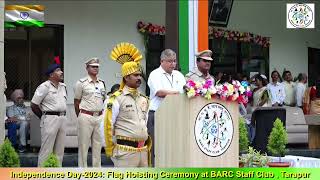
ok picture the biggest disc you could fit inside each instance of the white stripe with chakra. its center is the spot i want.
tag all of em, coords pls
(16, 15)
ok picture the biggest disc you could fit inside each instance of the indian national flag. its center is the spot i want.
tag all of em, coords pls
(24, 15)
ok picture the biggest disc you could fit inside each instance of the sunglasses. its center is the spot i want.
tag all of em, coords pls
(94, 66)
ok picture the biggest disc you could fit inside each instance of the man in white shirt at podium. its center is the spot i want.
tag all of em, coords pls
(163, 81)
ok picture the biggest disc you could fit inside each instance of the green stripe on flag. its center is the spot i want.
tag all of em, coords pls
(24, 23)
(183, 36)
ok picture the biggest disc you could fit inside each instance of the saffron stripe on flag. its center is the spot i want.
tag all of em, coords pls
(24, 7)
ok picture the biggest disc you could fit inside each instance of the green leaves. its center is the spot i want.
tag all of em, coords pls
(52, 161)
(278, 139)
(8, 156)
(254, 158)
(243, 136)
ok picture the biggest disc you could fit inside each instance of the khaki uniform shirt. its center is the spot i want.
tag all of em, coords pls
(51, 98)
(129, 115)
(197, 76)
(92, 94)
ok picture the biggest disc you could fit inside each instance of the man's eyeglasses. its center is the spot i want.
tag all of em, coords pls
(94, 66)
(171, 61)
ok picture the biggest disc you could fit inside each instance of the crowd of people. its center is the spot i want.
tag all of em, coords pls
(123, 119)
(280, 91)
(283, 91)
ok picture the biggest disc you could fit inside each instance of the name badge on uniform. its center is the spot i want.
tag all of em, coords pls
(97, 92)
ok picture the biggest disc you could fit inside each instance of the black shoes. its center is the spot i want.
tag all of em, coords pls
(22, 149)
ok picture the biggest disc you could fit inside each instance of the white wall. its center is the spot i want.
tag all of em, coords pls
(92, 28)
(289, 47)
(2, 105)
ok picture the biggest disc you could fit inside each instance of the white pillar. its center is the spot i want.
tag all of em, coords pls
(2, 103)
(193, 33)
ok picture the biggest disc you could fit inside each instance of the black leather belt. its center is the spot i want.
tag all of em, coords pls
(55, 113)
(129, 143)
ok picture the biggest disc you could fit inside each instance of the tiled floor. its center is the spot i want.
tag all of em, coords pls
(70, 159)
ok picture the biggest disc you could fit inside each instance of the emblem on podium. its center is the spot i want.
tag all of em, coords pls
(213, 129)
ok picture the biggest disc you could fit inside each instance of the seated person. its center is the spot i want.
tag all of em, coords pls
(17, 119)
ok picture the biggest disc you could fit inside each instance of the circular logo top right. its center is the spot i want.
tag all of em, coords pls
(300, 15)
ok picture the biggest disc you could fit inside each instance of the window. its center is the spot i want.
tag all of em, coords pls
(233, 57)
(28, 51)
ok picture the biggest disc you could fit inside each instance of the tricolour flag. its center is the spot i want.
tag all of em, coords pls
(24, 15)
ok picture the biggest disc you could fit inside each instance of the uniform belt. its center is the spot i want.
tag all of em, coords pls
(55, 113)
(91, 113)
(136, 144)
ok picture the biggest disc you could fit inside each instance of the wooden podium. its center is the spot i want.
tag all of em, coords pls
(196, 132)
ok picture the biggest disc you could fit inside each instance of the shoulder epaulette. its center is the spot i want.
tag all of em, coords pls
(101, 80)
(83, 79)
(65, 87)
(144, 96)
(117, 93)
(46, 84)
(190, 73)
(112, 98)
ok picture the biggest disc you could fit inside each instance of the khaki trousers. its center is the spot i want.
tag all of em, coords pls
(89, 130)
(129, 159)
(52, 137)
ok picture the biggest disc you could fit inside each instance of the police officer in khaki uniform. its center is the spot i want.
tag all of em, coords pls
(125, 121)
(201, 72)
(49, 103)
(89, 94)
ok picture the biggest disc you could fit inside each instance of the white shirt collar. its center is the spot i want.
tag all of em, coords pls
(277, 84)
(164, 72)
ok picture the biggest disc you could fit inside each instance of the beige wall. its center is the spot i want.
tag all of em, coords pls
(92, 28)
(289, 47)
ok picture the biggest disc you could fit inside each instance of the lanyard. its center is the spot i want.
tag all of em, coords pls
(171, 82)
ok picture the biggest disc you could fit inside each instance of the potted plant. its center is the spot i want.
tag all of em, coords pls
(8, 156)
(243, 139)
(243, 136)
(278, 139)
(254, 158)
(51, 161)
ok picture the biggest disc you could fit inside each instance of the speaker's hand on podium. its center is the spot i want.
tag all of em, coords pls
(174, 92)
(164, 93)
